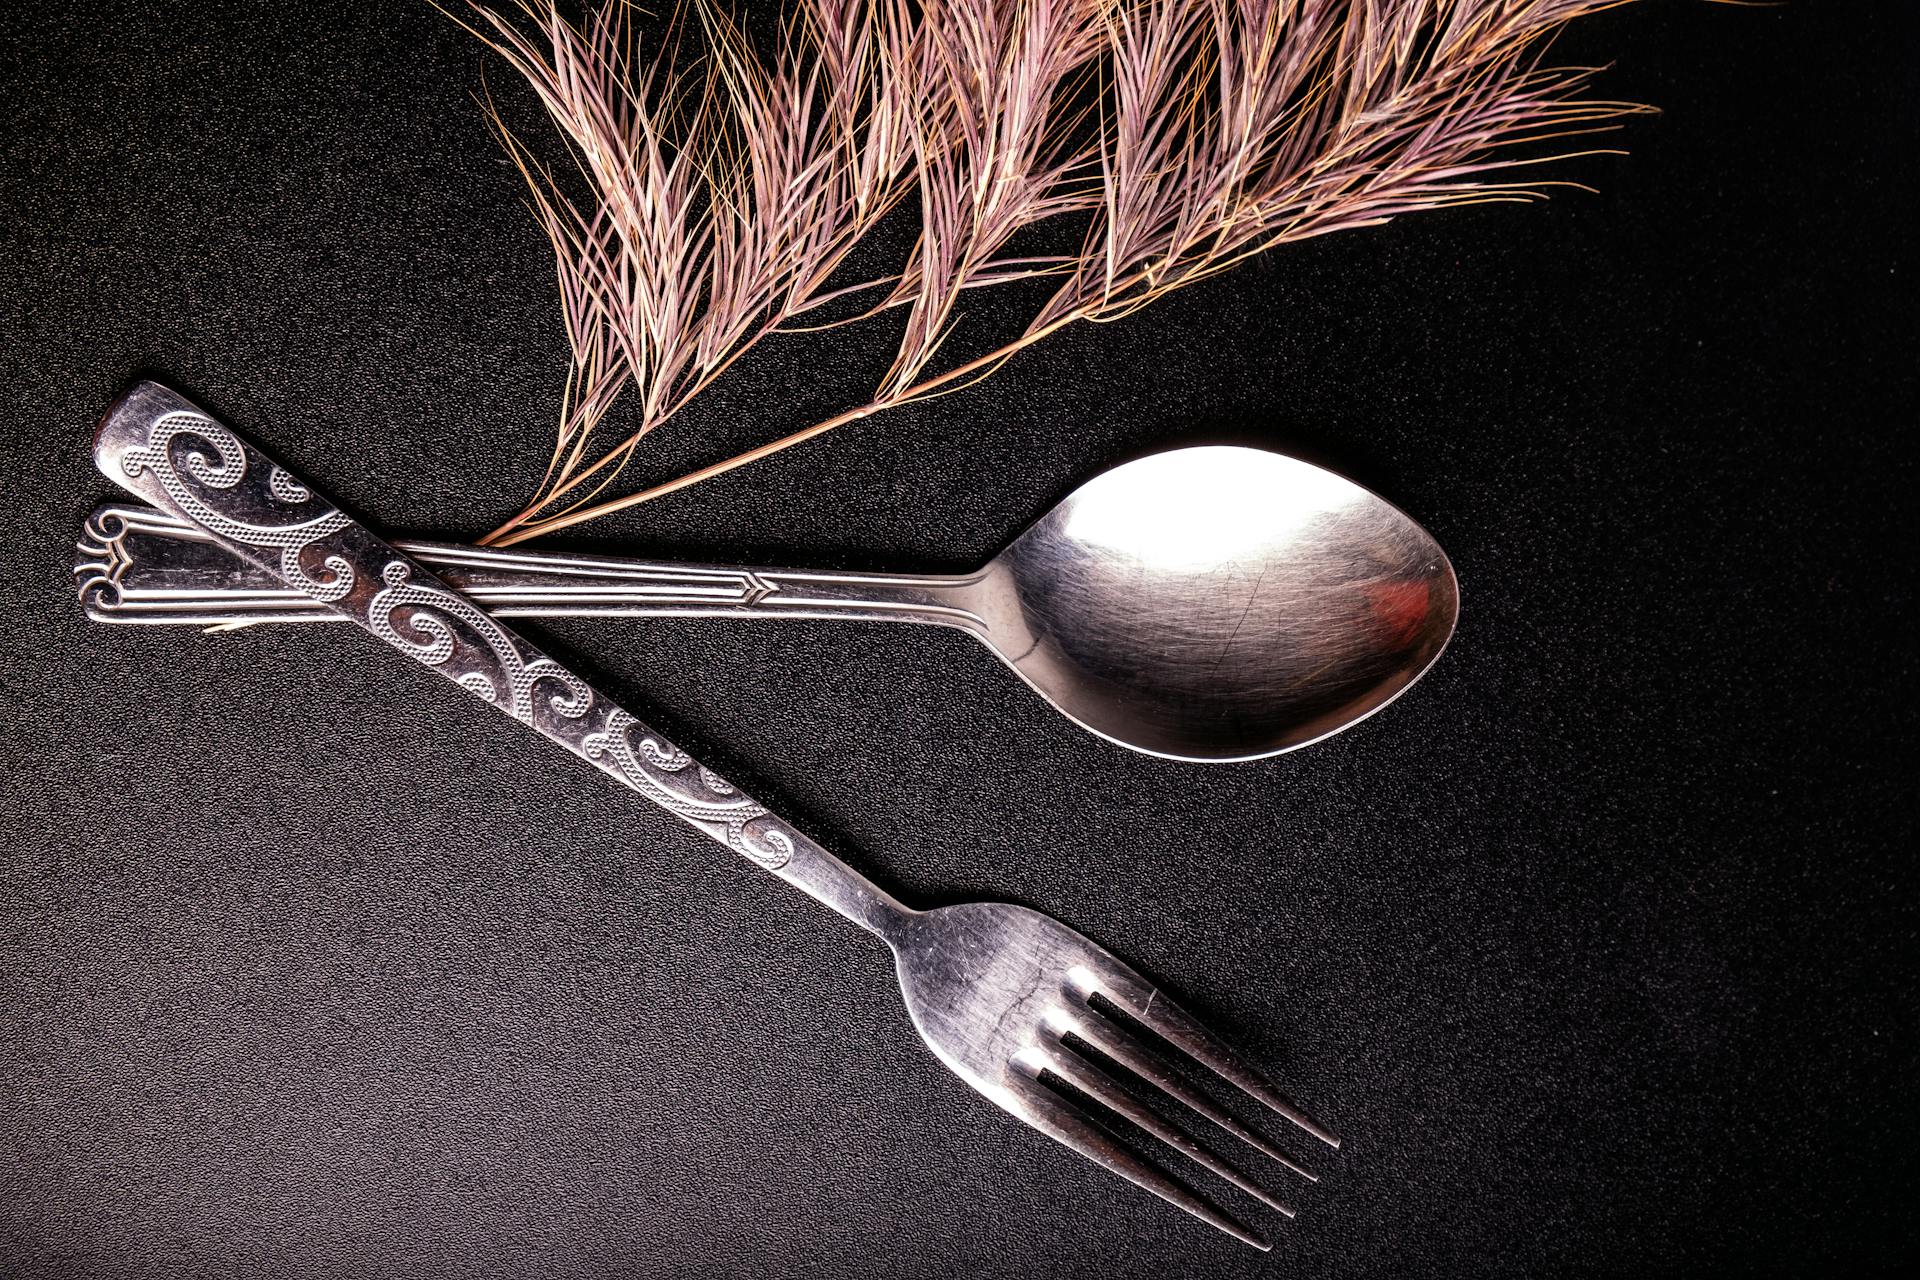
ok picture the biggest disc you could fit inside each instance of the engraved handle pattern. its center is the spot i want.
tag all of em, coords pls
(177, 457)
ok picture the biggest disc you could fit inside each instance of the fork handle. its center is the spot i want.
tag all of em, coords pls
(160, 446)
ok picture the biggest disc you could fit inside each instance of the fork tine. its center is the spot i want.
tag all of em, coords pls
(1115, 1042)
(1051, 1113)
(1142, 1001)
(1098, 1085)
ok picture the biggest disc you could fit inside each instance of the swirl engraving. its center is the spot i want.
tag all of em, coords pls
(286, 488)
(223, 471)
(428, 633)
(200, 466)
(659, 771)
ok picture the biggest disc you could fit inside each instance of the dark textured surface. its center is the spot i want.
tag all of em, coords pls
(1597, 947)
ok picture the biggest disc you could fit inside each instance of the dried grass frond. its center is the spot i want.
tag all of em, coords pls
(725, 188)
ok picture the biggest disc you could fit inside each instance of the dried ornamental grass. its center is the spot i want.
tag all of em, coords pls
(726, 189)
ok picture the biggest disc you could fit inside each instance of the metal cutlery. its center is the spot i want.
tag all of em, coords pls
(1045, 1023)
(1213, 603)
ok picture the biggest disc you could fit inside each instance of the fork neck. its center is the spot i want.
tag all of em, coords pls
(833, 883)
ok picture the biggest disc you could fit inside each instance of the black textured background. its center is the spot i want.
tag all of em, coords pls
(1597, 947)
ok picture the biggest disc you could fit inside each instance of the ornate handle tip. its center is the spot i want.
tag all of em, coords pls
(127, 425)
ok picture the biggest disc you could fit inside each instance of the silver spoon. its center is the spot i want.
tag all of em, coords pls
(1212, 603)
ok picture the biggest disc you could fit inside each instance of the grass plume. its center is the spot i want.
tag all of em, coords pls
(726, 186)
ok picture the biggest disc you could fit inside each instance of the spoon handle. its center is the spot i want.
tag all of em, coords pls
(142, 565)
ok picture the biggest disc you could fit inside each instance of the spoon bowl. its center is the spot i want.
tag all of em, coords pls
(1219, 603)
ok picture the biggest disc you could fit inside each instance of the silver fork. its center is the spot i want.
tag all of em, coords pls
(1049, 1025)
